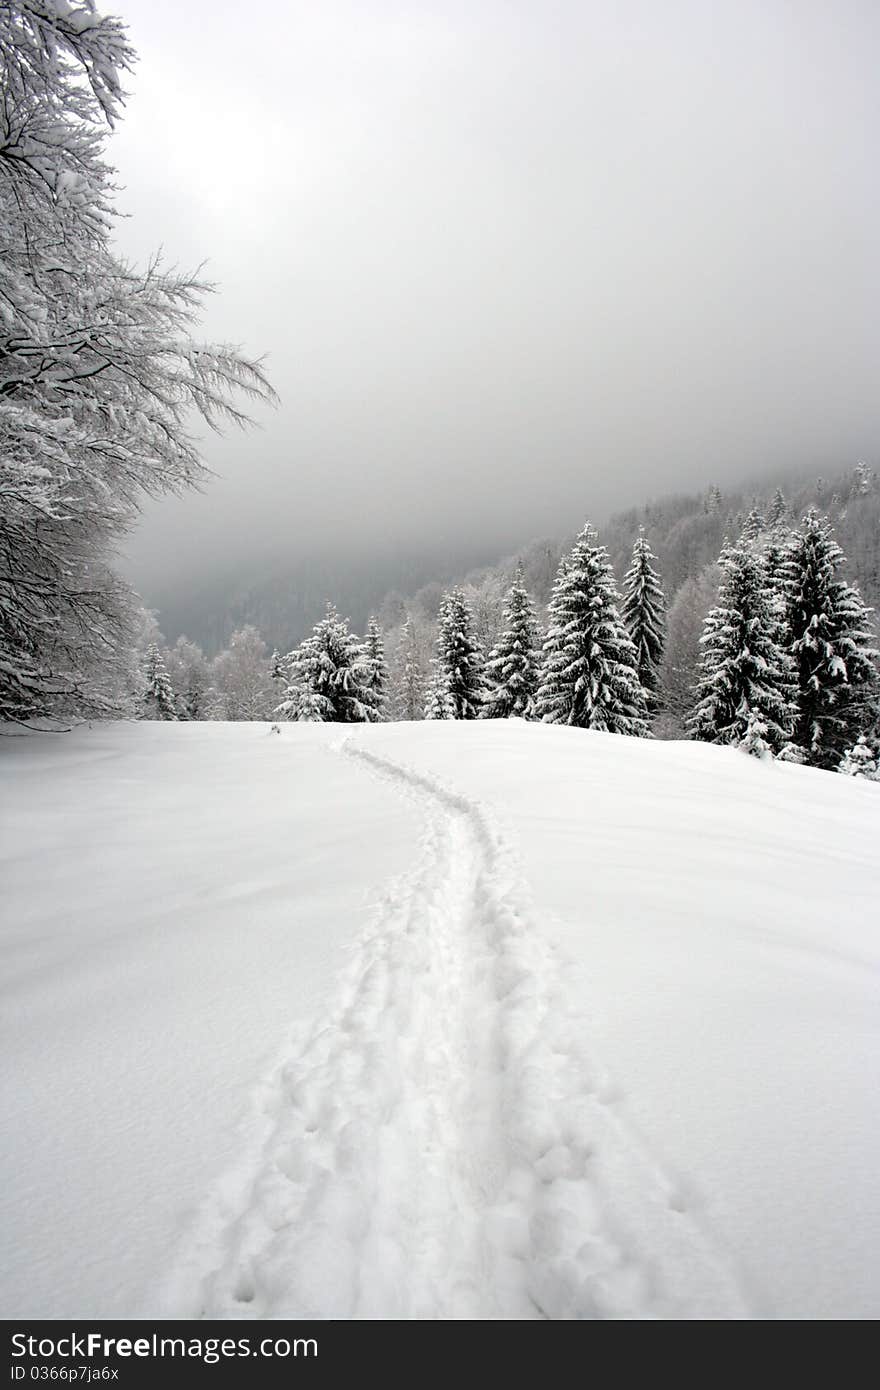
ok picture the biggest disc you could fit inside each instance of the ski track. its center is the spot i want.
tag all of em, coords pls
(441, 1146)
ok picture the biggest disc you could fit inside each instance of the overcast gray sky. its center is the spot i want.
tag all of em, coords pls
(512, 263)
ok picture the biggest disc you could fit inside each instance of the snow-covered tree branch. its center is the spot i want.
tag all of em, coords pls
(101, 379)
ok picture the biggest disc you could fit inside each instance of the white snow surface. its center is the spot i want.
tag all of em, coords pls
(435, 1020)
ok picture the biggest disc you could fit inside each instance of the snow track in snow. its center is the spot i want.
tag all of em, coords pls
(441, 1146)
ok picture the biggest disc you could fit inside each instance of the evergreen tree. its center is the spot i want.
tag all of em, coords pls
(330, 677)
(644, 612)
(864, 480)
(746, 677)
(409, 694)
(590, 677)
(458, 665)
(439, 703)
(791, 753)
(306, 698)
(774, 555)
(830, 644)
(374, 650)
(752, 527)
(513, 668)
(754, 740)
(713, 500)
(859, 761)
(776, 514)
(159, 701)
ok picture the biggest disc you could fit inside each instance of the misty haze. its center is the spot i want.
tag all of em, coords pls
(439, 672)
(513, 267)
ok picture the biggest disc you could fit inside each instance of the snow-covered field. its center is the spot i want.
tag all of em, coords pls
(435, 1020)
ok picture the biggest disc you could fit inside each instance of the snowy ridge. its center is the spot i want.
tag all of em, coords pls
(442, 1147)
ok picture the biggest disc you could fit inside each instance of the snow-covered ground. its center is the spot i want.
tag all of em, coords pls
(435, 1020)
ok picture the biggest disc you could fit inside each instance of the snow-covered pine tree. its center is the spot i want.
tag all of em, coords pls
(746, 677)
(754, 740)
(774, 547)
(589, 677)
(330, 677)
(713, 500)
(752, 527)
(777, 513)
(791, 753)
(304, 700)
(513, 668)
(864, 480)
(374, 651)
(859, 761)
(773, 557)
(159, 701)
(409, 693)
(644, 612)
(831, 646)
(458, 664)
(439, 703)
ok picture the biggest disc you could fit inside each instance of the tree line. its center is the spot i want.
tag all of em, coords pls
(787, 666)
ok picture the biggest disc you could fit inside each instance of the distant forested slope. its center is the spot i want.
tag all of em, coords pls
(285, 597)
(687, 532)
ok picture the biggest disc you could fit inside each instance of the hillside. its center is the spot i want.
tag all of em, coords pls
(687, 532)
(449, 1019)
(283, 597)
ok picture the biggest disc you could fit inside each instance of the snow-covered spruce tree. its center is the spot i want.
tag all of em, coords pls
(773, 546)
(752, 528)
(159, 701)
(304, 701)
(589, 676)
(513, 668)
(831, 646)
(408, 692)
(644, 612)
(279, 670)
(745, 677)
(374, 650)
(99, 376)
(439, 703)
(754, 740)
(713, 500)
(776, 515)
(773, 555)
(864, 480)
(859, 761)
(790, 753)
(457, 679)
(330, 677)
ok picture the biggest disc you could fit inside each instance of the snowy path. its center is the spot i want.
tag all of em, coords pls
(440, 1145)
